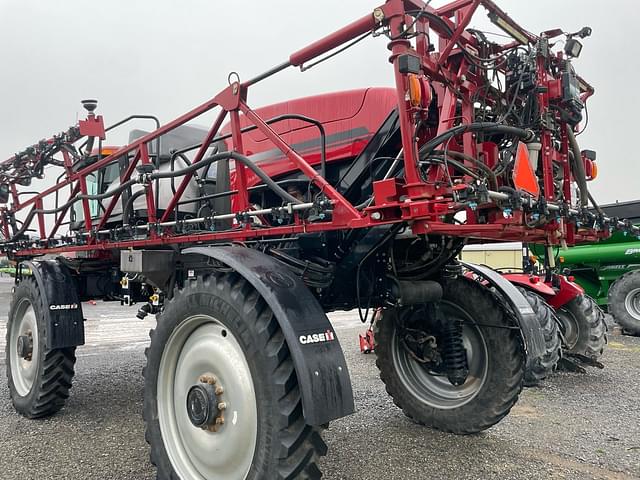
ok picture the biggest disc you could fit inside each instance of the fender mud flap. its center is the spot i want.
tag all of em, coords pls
(532, 336)
(317, 356)
(62, 307)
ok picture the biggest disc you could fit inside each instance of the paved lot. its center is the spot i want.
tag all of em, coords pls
(574, 427)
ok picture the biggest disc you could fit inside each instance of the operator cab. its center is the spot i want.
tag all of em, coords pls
(173, 156)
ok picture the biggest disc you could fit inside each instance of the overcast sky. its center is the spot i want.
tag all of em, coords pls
(163, 57)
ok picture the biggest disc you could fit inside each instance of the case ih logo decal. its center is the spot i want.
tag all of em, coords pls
(317, 337)
(71, 306)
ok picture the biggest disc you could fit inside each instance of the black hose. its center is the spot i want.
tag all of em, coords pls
(77, 198)
(578, 168)
(128, 206)
(286, 196)
(475, 161)
(493, 127)
(595, 204)
(246, 161)
(279, 118)
(440, 160)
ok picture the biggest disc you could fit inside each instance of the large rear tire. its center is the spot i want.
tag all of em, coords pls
(39, 378)
(546, 363)
(624, 302)
(495, 358)
(221, 394)
(583, 327)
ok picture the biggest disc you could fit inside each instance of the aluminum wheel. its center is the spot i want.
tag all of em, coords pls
(632, 303)
(203, 351)
(24, 347)
(435, 390)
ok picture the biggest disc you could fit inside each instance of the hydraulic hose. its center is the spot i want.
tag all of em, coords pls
(595, 204)
(286, 196)
(493, 127)
(128, 206)
(578, 168)
(77, 198)
(246, 161)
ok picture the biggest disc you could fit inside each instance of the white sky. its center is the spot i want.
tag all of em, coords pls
(163, 57)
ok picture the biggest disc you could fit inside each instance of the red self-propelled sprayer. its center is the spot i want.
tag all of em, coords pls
(241, 237)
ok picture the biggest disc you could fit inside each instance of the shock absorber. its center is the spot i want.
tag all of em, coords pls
(454, 354)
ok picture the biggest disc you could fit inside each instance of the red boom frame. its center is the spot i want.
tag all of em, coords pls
(423, 203)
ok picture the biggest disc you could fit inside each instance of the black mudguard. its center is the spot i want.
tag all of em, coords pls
(532, 336)
(62, 307)
(317, 356)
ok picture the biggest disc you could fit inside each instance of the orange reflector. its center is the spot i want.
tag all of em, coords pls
(594, 170)
(415, 90)
(524, 178)
(561, 259)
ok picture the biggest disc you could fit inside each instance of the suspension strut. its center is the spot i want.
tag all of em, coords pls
(454, 355)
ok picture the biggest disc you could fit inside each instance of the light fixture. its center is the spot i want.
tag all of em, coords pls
(506, 27)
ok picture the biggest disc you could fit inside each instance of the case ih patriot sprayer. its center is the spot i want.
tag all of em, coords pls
(241, 241)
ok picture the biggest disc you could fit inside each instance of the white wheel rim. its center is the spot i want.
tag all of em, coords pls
(632, 303)
(24, 371)
(203, 346)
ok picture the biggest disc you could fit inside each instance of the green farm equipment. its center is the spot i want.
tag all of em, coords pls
(609, 271)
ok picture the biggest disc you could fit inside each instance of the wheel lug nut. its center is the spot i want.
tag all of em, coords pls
(222, 406)
(210, 379)
(219, 390)
(219, 421)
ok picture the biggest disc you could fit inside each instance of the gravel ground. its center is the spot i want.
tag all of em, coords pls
(576, 426)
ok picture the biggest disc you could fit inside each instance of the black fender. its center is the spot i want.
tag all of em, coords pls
(318, 359)
(528, 324)
(62, 306)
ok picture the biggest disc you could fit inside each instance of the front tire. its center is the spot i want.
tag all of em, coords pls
(583, 327)
(39, 378)
(217, 333)
(624, 302)
(495, 358)
(546, 364)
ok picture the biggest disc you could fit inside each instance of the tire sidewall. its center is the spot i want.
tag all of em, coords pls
(617, 296)
(592, 332)
(26, 289)
(217, 304)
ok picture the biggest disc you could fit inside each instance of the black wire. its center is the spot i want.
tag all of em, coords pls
(586, 120)
(388, 236)
(419, 13)
(304, 68)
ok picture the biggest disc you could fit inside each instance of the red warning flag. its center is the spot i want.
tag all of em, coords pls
(524, 178)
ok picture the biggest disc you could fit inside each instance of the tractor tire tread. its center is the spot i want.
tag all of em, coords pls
(547, 363)
(298, 446)
(54, 379)
(477, 417)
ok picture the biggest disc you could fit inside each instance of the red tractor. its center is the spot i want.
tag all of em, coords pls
(242, 240)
